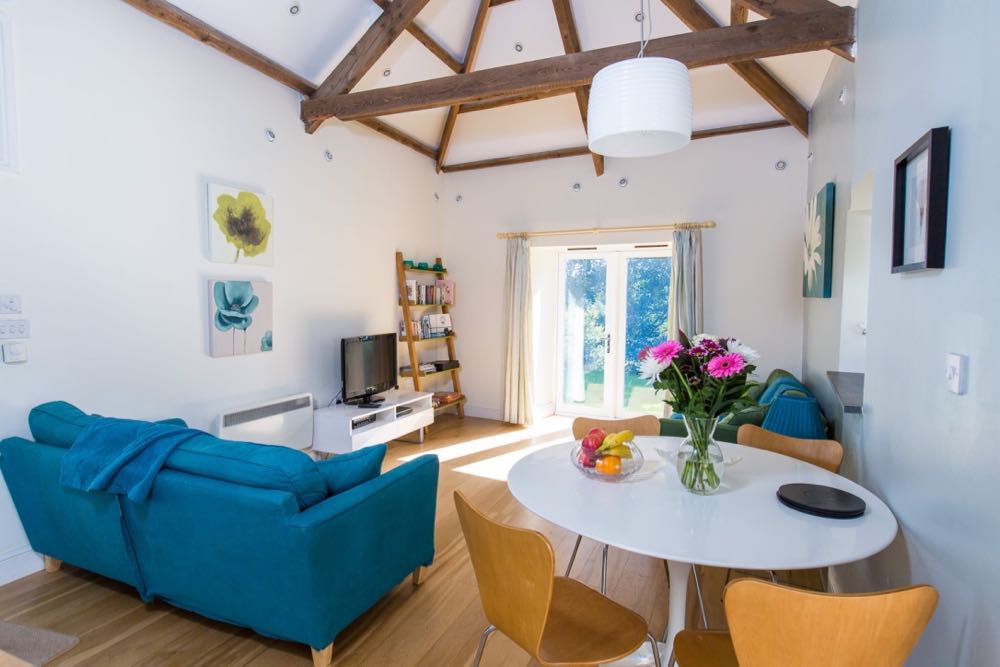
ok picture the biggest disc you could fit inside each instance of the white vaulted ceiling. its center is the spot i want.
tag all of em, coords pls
(313, 41)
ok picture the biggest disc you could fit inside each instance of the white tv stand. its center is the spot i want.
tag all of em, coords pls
(345, 428)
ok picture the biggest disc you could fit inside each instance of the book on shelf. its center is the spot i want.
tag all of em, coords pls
(441, 293)
(437, 325)
(445, 398)
(423, 368)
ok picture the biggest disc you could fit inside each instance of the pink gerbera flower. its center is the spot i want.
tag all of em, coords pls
(666, 351)
(726, 365)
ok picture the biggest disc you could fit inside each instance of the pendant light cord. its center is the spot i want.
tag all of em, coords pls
(645, 12)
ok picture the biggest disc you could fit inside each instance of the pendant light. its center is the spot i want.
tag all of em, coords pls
(640, 107)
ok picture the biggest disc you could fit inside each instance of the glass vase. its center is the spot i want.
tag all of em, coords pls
(700, 464)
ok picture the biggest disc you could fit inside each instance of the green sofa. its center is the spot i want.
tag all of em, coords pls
(779, 384)
(254, 535)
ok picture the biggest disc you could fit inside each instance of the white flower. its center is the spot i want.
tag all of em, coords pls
(697, 340)
(811, 259)
(749, 354)
(650, 368)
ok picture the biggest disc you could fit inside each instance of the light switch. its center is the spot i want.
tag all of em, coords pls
(956, 372)
(10, 304)
(15, 353)
(14, 329)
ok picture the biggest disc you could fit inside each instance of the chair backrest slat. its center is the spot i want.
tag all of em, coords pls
(514, 570)
(826, 454)
(778, 625)
(643, 425)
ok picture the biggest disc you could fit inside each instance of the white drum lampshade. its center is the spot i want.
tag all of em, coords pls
(640, 107)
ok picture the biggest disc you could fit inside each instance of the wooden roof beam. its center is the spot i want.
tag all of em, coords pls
(694, 16)
(450, 61)
(172, 16)
(471, 53)
(372, 45)
(571, 44)
(771, 9)
(759, 39)
(583, 150)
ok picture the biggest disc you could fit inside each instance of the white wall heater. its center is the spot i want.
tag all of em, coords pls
(284, 421)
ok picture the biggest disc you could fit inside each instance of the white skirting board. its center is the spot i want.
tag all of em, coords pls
(483, 411)
(17, 563)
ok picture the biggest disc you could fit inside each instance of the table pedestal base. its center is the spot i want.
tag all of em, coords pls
(677, 600)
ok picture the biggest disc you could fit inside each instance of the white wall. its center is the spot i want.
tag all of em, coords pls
(933, 455)
(121, 121)
(753, 259)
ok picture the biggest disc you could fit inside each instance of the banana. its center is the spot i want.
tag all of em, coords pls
(621, 451)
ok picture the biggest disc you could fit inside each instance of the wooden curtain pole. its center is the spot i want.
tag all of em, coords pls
(709, 224)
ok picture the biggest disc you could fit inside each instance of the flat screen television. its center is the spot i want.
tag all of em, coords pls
(368, 367)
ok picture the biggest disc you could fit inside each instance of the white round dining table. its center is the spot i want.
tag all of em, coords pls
(742, 526)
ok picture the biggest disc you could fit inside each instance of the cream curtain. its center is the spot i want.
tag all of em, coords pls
(518, 399)
(686, 285)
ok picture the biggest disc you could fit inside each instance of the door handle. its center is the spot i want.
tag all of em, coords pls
(607, 344)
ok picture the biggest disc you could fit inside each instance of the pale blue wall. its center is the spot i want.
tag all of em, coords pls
(933, 456)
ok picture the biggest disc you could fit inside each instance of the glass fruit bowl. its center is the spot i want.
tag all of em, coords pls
(610, 458)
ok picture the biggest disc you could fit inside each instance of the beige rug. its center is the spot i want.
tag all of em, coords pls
(32, 645)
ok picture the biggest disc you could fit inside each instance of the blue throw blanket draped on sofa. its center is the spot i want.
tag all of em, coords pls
(121, 456)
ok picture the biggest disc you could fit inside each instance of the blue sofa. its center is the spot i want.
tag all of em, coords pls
(254, 535)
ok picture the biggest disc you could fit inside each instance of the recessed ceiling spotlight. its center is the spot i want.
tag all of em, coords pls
(386, 72)
(458, 199)
(623, 182)
(842, 98)
(294, 8)
(270, 135)
(781, 165)
(437, 197)
(328, 155)
(518, 46)
(639, 16)
(577, 187)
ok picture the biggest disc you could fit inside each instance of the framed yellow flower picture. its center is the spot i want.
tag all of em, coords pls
(240, 226)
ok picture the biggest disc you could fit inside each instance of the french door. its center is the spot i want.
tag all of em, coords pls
(612, 303)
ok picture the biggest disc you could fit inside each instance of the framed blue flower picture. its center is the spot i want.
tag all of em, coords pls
(242, 317)
(817, 248)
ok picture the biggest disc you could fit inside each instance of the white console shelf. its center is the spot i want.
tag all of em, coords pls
(345, 428)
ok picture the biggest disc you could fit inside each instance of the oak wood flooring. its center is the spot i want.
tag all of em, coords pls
(437, 624)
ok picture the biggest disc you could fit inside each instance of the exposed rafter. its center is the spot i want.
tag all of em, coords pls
(164, 12)
(450, 61)
(372, 45)
(737, 14)
(771, 9)
(583, 150)
(571, 44)
(774, 37)
(496, 102)
(172, 16)
(471, 53)
(784, 102)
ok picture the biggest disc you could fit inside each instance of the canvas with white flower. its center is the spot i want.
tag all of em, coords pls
(817, 249)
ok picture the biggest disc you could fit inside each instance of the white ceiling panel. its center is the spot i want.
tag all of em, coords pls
(722, 98)
(530, 23)
(407, 61)
(425, 126)
(521, 128)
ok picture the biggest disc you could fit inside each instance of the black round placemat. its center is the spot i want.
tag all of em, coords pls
(821, 501)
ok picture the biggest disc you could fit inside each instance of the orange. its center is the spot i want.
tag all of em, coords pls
(609, 465)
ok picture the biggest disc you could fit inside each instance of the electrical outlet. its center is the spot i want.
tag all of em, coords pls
(14, 353)
(14, 329)
(10, 304)
(956, 371)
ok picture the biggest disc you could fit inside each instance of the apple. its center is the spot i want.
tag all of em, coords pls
(587, 460)
(591, 443)
(599, 432)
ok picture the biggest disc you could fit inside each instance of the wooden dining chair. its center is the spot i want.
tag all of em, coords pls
(772, 625)
(557, 620)
(826, 454)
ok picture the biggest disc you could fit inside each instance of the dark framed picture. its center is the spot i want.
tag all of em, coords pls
(920, 204)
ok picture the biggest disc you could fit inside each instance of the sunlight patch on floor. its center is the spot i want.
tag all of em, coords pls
(545, 427)
(498, 467)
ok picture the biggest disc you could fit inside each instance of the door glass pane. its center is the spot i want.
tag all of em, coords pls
(583, 327)
(647, 293)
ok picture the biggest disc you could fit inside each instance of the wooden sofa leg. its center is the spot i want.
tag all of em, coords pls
(323, 657)
(51, 564)
(418, 576)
